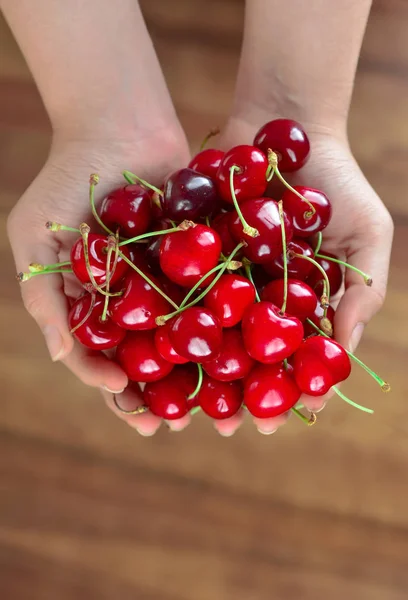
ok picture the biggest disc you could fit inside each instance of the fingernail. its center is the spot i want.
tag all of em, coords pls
(321, 408)
(172, 428)
(226, 433)
(142, 433)
(105, 387)
(54, 342)
(265, 432)
(356, 336)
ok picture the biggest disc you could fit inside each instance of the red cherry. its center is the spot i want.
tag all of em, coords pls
(301, 301)
(219, 399)
(196, 334)
(137, 256)
(260, 276)
(128, 208)
(139, 305)
(97, 247)
(186, 256)
(189, 195)
(139, 358)
(94, 333)
(221, 224)
(317, 317)
(229, 298)
(270, 391)
(270, 337)
(288, 139)
(168, 398)
(173, 291)
(165, 347)
(233, 362)
(334, 273)
(263, 214)
(319, 363)
(207, 162)
(298, 209)
(298, 268)
(153, 248)
(250, 181)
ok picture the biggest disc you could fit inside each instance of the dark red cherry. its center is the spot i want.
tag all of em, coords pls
(219, 399)
(318, 364)
(298, 268)
(173, 291)
(301, 301)
(140, 359)
(229, 298)
(270, 391)
(270, 337)
(233, 361)
(140, 304)
(186, 256)
(188, 195)
(288, 139)
(207, 162)
(94, 333)
(165, 347)
(97, 248)
(168, 398)
(153, 248)
(317, 317)
(260, 276)
(196, 334)
(263, 214)
(334, 273)
(250, 180)
(298, 210)
(129, 209)
(137, 256)
(221, 225)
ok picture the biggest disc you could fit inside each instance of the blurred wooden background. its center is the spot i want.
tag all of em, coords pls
(89, 510)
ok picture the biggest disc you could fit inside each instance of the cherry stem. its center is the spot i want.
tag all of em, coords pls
(343, 397)
(220, 268)
(88, 314)
(248, 272)
(212, 133)
(383, 384)
(195, 410)
(319, 242)
(53, 226)
(273, 163)
(22, 277)
(367, 278)
(84, 230)
(38, 268)
(150, 234)
(285, 258)
(131, 176)
(248, 230)
(139, 410)
(325, 299)
(199, 383)
(285, 364)
(112, 245)
(308, 420)
(93, 182)
(149, 281)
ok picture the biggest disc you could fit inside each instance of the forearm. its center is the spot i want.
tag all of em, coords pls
(94, 65)
(299, 59)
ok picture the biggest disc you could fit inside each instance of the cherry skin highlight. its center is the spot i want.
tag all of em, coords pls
(97, 245)
(218, 399)
(139, 358)
(333, 271)
(270, 391)
(188, 195)
(233, 361)
(298, 268)
(168, 398)
(207, 162)
(165, 347)
(196, 334)
(94, 333)
(128, 208)
(229, 298)
(249, 181)
(301, 301)
(303, 224)
(288, 140)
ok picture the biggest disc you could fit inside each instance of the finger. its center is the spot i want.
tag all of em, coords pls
(316, 403)
(146, 424)
(269, 426)
(227, 427)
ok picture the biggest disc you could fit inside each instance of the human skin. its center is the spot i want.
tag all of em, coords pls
(102, 86)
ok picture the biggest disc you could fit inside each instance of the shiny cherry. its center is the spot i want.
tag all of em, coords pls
(233, 361)
(165, 347)
(186, 256)
(269, 336)
(221, 224)
(229, 298)
(188, 195)
(139, 305)
(153, 248)
(196, 334)
(270, 391)
(128, 208)
(288, 139)
(298, 268)
(137, 256)
(263, 214)
(94, 333)
(97, 248)
(303, 224)
(260, 276)
(318, 364)
(207, 162)
(250, 180)
(219, 399)
(301, 300)
(168, 398)
(173, 291)
(334, 273)
(140, 359)
(317, 317)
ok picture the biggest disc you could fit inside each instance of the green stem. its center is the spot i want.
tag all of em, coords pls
(199, 383)
(212, 133)
(285, 258)
(88, 314)
(22, 277)
(195, 410)
(367, 278)
(326, 282)
(111, 248)
(93, 182)
(84, 230)
(343, 397)
(308, 420)
(248, 272)
(131, 176)
(248, 230)
(53, 226)
(150, 234)
(319, 242)
(38, 268)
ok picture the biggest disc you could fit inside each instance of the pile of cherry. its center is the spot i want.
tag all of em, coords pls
(214, 294)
